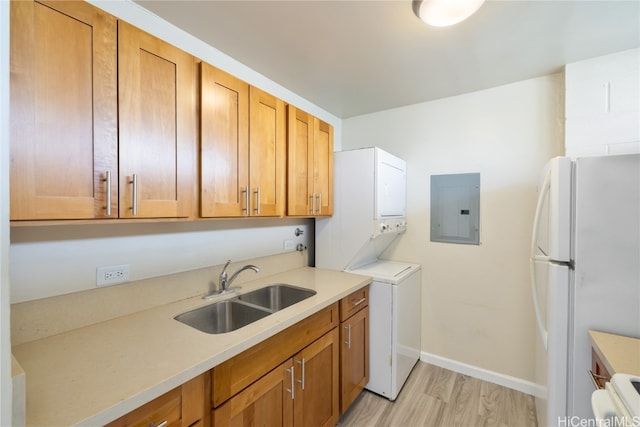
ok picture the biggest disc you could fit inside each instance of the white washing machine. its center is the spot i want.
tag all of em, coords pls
(394, 325)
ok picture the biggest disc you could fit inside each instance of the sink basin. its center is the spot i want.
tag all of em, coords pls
(232, 314)
(221, 317)
(277, 296)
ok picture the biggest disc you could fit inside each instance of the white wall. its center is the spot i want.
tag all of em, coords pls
(48, 261)
(5, 348)
(476, 299)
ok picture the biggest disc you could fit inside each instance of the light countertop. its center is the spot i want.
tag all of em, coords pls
(95, 374)
(619, 354)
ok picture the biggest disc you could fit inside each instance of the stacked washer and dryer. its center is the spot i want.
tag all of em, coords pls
(369, 214)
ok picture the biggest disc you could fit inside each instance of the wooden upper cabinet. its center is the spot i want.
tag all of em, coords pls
(300, 162)
(267, 154)
(63, 97)
(310, 165)
(323, 167)
(156, 126)
(224, 144)
(242, 148)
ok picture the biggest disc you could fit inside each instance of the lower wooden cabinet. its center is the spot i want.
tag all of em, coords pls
(599, 373)
(354, 346)
(268, 401)
(303, 391)
(315, 401)
(181, 407)
(291, 378)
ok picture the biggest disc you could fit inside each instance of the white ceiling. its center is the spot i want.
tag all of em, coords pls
(352, 57)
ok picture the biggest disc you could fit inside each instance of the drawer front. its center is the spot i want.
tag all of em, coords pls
(240, 371)
(166, 408)
(353, 303)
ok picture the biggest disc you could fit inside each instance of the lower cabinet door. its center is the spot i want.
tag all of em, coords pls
(316, 400)
(267, 402)
(354, 357)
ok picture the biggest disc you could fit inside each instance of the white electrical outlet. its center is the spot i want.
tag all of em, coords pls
(112, 275)
(289, 245)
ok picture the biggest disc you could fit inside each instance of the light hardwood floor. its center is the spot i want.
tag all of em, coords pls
(434, 396)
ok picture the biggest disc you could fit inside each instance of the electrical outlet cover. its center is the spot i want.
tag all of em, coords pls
(112, 275)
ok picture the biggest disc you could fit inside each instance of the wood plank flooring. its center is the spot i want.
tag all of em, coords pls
(436, 397)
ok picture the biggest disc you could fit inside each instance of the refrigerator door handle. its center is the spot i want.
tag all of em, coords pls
(542, 196)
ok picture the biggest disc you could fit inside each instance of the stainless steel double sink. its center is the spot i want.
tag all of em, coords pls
(229, 315)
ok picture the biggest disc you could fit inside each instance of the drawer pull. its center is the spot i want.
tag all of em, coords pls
(162, 424)
(360, 301)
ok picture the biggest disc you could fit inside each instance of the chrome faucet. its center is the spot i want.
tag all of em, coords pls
(225, 280)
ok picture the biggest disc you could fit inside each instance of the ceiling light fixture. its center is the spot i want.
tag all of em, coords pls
(442, 13)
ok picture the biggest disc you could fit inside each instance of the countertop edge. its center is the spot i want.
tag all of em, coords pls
(602, 343)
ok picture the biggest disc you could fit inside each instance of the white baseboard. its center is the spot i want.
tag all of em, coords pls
(484, 374)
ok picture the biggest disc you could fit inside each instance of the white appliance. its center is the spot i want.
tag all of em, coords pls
(394, 339)
(369, 213)
(369, 208)
(618, 404)
(585, 273)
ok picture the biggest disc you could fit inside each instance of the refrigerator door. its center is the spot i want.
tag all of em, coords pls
(551, 237)
(550, 283)
(552, 230)
(606, 289)
(551, 356)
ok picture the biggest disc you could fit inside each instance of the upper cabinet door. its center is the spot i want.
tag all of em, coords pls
(63, 111)
(300, 150)
(267, 154)
(323, 167)
(157, 126)
(310, 165)
(224, 144)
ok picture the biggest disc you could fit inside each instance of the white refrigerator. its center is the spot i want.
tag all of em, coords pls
(585, 274)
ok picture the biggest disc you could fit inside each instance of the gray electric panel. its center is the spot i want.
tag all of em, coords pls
(455, 208)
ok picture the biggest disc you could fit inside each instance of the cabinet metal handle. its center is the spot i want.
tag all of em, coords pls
(107, 179)
(257, 208)
(348, 341)
(313, 203)
(245, 190)
(301, 381)
(357, 303)
(319, 196)
(292, 390)
(134, 201)
(162, 424)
